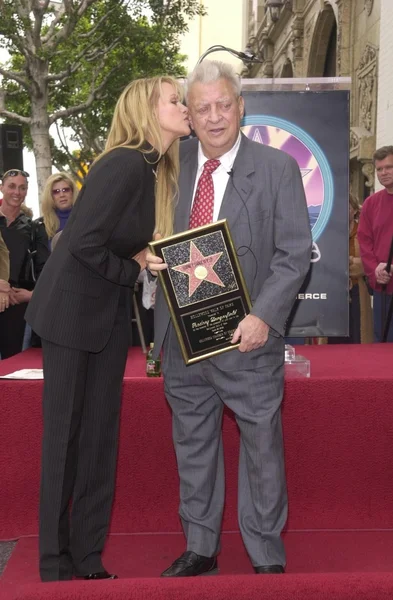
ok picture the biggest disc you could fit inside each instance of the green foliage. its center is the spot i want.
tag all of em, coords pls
(69, 60)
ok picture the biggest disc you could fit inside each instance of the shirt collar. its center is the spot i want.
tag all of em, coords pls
(20, 217)
(226, 159)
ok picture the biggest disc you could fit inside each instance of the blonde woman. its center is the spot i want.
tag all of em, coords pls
(79, 311)
(360, 313)
(58, 198)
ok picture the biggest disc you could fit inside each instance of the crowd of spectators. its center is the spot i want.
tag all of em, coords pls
(25, 246)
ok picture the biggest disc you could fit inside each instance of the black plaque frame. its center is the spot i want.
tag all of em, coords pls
(205, 317)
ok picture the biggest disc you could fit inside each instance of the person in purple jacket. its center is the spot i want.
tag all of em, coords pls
(58, 198)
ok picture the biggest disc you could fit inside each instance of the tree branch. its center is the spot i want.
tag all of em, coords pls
(23, 9)
(39, 10)
(69, 26)
(97, 25)
(63, 75)
(71, 68)
(85, 4)
(41, 5)
(52, 27)
(63, 143)
(17, 42)
(12, 93)
(164, 13)
(71, 158)
(6, 114)
(74, 173)
(86, 140)
(73, 110)
(15, 77)
(103, 51)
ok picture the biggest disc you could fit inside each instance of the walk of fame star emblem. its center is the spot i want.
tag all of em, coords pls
(199, 269)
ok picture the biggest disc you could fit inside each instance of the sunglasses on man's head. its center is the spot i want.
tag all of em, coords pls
(58, 190)
(15, 173)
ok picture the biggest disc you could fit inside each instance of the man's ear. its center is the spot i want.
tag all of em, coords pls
(241, 106)
(190, 120)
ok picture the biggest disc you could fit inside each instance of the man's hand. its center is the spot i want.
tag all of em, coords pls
(381, 275)
(155, 263)
(20, 295)
(13, 297)
(252, 333)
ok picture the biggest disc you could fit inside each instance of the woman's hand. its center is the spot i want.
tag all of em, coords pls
(355, 267)
(4, 301)
(141, 258)
(4, 287)
(155, 263)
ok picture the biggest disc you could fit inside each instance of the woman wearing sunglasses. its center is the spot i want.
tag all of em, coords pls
(27, 257)
(58, 198)
(79, 309)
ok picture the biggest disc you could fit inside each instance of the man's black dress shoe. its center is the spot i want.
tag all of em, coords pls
(100, 575)
(269, 569)
(190, 564)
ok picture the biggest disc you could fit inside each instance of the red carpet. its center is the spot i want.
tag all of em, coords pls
(140, 558)
(354, 586)
(338, 429)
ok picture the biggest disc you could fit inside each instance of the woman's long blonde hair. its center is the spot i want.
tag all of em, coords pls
(134, 122)
(51, 220)
(354, 202)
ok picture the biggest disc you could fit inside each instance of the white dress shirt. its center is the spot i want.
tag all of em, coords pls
(220, 175)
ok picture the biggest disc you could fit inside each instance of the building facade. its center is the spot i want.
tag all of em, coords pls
(224, 23)
(385, 77)
(328, 38)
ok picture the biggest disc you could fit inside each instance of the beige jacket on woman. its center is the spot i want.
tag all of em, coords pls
(4, 260)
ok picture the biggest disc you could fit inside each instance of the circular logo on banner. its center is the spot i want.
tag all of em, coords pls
(314, 167)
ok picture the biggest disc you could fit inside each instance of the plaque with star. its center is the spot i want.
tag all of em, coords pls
(204, 288)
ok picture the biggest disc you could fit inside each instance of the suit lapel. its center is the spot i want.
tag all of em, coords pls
(239, 184)
(188, 171)
(236, 193)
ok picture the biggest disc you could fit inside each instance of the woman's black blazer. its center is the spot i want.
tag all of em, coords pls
(77, 296)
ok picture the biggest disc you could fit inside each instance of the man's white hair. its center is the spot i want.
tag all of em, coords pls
(210, 71)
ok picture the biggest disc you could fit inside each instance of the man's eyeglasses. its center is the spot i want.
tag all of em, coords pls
(58, 190)
(15, 173)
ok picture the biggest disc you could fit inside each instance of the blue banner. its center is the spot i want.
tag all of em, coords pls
(313, 127)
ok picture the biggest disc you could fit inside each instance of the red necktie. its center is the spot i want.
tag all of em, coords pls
(202, 209)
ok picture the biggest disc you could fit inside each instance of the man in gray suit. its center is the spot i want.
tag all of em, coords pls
(259, 191)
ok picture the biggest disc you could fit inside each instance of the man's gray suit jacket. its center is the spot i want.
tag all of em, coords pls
(265, 207)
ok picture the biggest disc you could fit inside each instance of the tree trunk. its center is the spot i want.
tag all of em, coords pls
(39, 130)
(39, 127)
